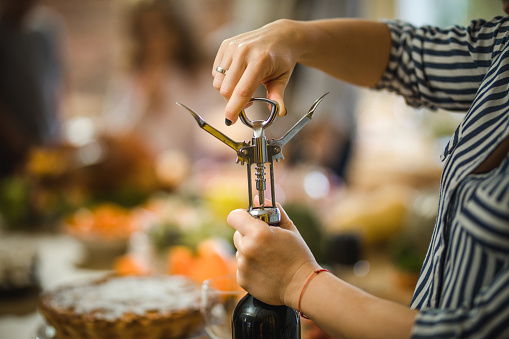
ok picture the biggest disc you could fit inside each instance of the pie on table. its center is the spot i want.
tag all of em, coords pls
(149, 307)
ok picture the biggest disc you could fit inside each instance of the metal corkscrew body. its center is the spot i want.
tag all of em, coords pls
(260, 153)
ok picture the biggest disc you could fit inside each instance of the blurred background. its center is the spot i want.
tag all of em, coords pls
(101, 171)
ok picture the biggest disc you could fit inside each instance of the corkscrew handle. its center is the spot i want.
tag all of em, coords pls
(274, 111)
(270, 215)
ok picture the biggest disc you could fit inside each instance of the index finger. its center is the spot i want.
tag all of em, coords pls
(245, 88)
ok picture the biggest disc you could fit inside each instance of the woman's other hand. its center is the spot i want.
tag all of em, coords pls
(273, 262)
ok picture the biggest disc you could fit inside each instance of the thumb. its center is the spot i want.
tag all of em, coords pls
(275, 91)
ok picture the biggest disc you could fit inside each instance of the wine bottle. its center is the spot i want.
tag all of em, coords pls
(255, 319)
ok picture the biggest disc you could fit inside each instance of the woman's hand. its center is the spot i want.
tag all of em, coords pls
(273, 262)
(265, 56)
(353, 50)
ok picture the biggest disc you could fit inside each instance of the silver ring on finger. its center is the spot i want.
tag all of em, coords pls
(220, 69)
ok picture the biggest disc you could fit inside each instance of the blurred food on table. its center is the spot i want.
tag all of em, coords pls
(103, 230)
(152, 307)
(376, 215)
(102, 222)
(180, 236)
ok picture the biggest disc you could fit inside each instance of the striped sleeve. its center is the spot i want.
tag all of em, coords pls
(487, 318)
(441, 68)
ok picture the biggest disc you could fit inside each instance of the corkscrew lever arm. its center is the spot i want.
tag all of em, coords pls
(279, 143)
(215, 133)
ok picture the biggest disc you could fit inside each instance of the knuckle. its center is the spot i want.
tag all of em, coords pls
(243, 92)
(236, 236)
(250, 250)
(242, 281)
(230, 219)
(260, 236)
(241, 263)
(226, 42)
(266, 62)
(216, 84)
(225, 91)
(243, 49)
(247, 251)
(263, 57)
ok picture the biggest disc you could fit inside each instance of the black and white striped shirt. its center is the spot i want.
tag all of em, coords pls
(463, 288)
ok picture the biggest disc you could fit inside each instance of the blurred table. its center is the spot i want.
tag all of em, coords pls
(58, 255)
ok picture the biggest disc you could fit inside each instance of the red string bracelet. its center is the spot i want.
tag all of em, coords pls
(315, 272)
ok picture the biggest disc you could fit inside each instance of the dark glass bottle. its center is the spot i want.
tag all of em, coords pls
(255, 319)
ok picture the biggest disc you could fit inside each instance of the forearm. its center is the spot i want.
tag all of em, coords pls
(353, 50)
(344, 311)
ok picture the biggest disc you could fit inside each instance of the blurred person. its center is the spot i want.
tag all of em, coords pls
(463, 288)
(164, 63)
(31, 81)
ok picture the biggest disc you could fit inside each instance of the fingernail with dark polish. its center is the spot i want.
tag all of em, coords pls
(227, 122)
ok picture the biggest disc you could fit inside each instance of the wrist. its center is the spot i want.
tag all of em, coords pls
(293, 290)
(311, 41)
(296, 37)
